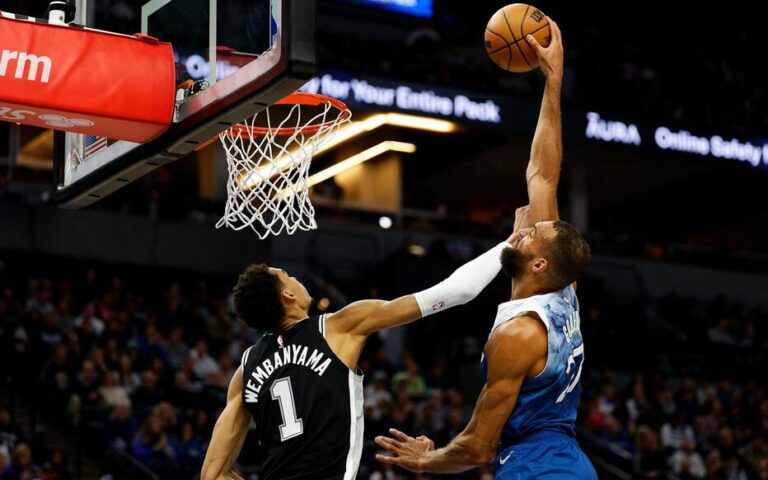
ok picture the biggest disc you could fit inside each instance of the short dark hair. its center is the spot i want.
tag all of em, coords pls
(257, 298)
(568, 255)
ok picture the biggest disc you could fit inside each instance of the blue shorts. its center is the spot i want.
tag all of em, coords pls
(544, 455)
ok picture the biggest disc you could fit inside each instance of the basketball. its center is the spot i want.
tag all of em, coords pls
(505, 36)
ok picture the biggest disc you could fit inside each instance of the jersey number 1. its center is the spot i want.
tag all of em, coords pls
(282, 391)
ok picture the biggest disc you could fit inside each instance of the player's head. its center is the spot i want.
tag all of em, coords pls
(553, 252)
(265, 296)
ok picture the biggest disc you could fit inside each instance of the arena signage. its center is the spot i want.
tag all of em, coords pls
(416, 8)
(408, 98)
(26, 62)
(198, 68)
(613, 131)
(716, 146)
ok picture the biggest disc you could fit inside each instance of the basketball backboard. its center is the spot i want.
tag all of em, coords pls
(247, 54)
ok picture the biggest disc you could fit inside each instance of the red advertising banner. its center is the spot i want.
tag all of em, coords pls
(85, 81)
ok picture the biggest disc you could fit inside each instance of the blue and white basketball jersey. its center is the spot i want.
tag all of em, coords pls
(549, 400)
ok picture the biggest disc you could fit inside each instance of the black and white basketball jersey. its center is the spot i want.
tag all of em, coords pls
(306, 404)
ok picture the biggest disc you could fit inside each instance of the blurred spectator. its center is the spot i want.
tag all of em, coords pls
(88, 323)
(756, 451)
(204, 365)
(10, 433)
(762, 469)
(676, 432)
(5, 458)
(148, 394)
(87, 384)
(220, 379)
(126, 377)
(734, 469)
(649, 461)
(189, 449)
(21, 466)
(616, 435)
(726, 443)
(55, 468)
(409, 379)
(715, 467)
(720, 333)
(177, 350)
(686, 463)
(377, 397)
(165, 413)
(121, 426)
(111, 393)
(40, 302)
(151, 444)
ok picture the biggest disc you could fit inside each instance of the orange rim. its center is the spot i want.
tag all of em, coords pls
(297, 98)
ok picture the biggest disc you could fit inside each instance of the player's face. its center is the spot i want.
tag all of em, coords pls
(293, 286)
(526, 245)
(532, 241)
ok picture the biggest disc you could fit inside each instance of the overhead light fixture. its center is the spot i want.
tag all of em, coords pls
(419, 123)
(358, 158)
(373, 122)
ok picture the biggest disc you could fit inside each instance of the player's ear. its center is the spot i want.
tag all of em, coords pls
(287, 296)
(540, 265)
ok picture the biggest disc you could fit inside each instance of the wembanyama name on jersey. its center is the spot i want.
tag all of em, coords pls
(289, 354)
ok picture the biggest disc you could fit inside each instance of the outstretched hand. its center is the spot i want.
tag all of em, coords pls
(522, 220)
(407, 451)
(551, 57)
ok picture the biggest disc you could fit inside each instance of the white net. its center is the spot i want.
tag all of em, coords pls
(268, 164)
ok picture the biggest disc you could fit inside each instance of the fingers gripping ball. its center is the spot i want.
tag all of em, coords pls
(505, 36)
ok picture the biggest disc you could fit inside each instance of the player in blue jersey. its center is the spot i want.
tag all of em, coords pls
(532, 362)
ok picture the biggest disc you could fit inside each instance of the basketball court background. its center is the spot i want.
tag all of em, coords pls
(664, 169)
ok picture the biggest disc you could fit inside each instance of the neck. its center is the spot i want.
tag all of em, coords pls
(525, 287)
(291, 318)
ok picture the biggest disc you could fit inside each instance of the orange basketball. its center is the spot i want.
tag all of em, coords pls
(505, 36)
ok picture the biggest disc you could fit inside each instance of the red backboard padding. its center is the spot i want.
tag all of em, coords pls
(85, 81)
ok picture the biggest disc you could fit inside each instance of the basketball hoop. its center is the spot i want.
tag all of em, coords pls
(268, 158)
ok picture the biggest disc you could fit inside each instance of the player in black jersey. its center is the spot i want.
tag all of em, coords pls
(300, 383)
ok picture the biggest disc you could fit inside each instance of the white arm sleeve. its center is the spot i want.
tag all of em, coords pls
(463, 285)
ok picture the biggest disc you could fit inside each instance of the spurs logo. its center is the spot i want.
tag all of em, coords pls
(64, 122)
(51, 119)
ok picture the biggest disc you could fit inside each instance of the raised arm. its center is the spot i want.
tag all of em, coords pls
(543, 171)
(228, 434)
(513, 351)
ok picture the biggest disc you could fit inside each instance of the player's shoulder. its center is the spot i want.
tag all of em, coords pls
(526, 328)
(356, 309)
(517, 345)
(348, 319)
